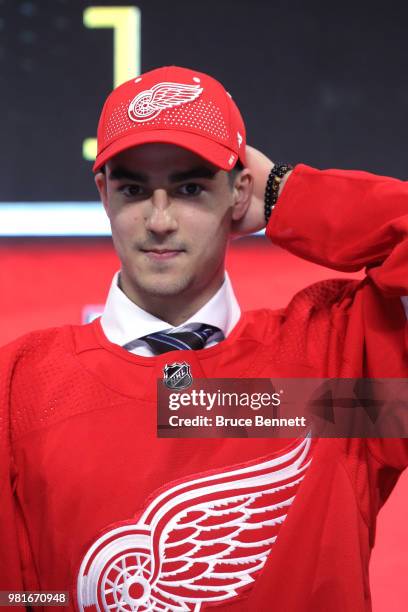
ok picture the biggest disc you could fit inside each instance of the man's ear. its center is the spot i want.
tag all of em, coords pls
(101, 185)
(242, 193)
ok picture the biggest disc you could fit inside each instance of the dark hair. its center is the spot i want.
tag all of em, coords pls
(233, 173)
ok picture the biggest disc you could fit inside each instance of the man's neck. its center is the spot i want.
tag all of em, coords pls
(174, 310)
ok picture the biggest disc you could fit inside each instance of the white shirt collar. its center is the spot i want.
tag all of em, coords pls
(122, 320)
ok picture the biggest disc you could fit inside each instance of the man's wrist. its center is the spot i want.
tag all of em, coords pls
(274, 185)
(284, 181)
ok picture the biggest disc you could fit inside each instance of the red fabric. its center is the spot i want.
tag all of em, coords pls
(79, 446)
(177, 106)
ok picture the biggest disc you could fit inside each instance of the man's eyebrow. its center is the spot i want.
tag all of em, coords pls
(120, 173)
(194, 173)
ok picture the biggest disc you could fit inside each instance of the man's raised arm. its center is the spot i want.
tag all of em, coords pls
(342, 219)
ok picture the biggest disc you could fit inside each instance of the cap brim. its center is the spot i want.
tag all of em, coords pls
(218, 155)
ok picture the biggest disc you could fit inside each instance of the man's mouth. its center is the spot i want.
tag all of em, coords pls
(159, 254)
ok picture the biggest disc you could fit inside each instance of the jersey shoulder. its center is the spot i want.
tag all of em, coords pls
(30, 350)
(311, 329)
(41, 379)
(321, 301)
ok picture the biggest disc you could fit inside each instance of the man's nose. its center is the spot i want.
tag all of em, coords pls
(160, 218)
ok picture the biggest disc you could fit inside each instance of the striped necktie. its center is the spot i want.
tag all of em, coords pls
(163, 342)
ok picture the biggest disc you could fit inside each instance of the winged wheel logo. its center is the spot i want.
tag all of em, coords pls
(151, 102)
(197, 542)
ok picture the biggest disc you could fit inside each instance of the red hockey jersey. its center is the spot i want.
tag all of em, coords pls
(94, 503)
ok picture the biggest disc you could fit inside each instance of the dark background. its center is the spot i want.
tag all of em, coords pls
(317, 82)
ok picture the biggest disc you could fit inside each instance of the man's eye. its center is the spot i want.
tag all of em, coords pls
(190, 189)
(131, 191)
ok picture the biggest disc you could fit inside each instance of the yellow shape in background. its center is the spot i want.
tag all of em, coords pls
(125, 22)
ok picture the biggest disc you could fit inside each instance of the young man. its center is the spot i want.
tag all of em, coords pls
(93, 502)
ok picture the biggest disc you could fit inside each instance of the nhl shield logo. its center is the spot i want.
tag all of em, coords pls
(177, 375)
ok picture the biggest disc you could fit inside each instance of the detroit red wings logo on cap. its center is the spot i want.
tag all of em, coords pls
(201, 541)
(150, 102)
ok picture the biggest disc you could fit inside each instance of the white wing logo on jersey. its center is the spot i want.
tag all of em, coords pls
(201, 541)
(150, 102)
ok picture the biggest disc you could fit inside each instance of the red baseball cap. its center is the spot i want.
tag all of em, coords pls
(177, 106)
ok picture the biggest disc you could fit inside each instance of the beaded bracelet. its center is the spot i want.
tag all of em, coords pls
(272, 187)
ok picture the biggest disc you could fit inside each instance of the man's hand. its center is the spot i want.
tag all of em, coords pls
(260, 167)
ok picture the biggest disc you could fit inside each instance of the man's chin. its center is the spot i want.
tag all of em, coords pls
(163, 287)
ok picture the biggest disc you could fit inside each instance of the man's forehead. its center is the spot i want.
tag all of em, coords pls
(156, 158)
(159, 151)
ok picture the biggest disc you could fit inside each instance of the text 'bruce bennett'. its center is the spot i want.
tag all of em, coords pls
(221, 421)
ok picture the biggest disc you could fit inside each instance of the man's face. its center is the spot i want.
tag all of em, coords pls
(170, 213)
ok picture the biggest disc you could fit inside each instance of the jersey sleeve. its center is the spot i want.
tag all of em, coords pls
(347, 221)
(11, 561)
(392, 452)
